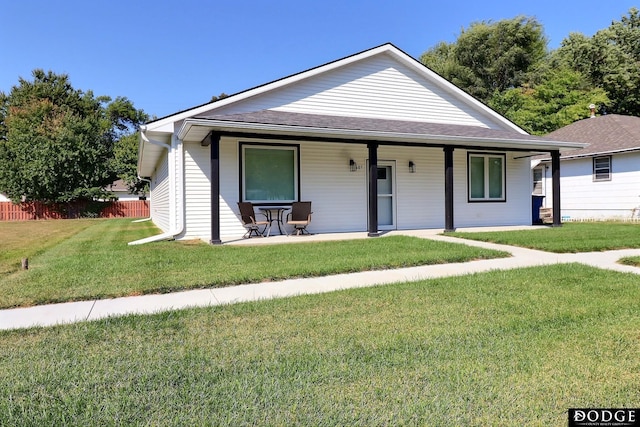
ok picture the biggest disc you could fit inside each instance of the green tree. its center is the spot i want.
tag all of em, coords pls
(57, 142)
(125, 120)
(610, 59)
(490, 57)
(125, 162)
(561, 97)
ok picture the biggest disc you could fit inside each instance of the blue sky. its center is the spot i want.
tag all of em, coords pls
(167, 56)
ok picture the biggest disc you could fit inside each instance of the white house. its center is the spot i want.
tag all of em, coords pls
(602, 180)
(376, 141)
(121, 192)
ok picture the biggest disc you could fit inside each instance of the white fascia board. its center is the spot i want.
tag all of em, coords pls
(602, 153)
(505, 143)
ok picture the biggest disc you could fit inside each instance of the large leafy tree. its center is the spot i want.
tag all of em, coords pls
(56, 142)
(559, 98)
(125, 120)
(610, 60)
(490, 57)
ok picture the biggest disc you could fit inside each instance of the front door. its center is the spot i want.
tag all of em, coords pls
(386, 196)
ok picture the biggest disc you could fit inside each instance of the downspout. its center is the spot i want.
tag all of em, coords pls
(149, 181)
(176, 201)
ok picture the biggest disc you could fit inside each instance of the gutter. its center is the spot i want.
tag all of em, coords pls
(595, 154)
(176, 201)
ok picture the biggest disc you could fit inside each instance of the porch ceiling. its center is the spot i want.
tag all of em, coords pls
(357, 129)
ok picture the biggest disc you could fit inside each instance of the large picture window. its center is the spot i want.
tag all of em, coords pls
(486, 174)
(269, 173)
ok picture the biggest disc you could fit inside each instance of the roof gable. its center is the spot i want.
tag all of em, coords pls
(382, 82)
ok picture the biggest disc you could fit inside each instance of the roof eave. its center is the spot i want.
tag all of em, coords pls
(187, 132)
(595, 153)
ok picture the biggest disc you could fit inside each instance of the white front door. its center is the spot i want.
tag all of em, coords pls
(386, 196)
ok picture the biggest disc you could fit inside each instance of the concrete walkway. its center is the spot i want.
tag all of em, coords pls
(48, 315)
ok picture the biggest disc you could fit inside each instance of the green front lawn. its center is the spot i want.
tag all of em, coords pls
(571, 237)
(95, 261)
(507, 348)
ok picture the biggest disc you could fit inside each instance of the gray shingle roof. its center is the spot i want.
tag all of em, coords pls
(272, 117)
(604, 134)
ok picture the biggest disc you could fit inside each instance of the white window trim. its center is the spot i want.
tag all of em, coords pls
(538, 186)
(486, 198)
(601, 170)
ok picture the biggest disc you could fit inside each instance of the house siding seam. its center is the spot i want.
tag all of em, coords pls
(377, 88)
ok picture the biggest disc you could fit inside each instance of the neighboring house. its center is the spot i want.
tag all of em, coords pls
(4, 198)
(376, 141)
(600, 181)
(121, 191)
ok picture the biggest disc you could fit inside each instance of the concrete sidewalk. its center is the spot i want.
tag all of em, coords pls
(48, 315)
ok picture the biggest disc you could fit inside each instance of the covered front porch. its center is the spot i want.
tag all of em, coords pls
(454, 153)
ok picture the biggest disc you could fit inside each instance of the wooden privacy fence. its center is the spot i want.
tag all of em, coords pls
(38, 210)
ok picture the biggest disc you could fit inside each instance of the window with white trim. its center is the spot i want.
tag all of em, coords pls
(486, 173)
(269, 173)
(602, 168)
(537, 181)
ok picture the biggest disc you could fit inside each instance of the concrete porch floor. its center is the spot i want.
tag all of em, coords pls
(320, 237)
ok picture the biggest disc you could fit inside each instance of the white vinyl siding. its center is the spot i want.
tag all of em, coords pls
(159, 195)
(486, 177)
(419, 195)
(230, 224)
(586, 199)
(379, 87)
(338, 196)
(197, 192)
(515, 210)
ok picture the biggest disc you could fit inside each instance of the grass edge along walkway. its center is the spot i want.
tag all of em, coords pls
(498, 348)
(97, 263)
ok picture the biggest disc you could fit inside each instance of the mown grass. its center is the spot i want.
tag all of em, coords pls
(97, 263)
(507, 348)
(570, 238)
(26, 239)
